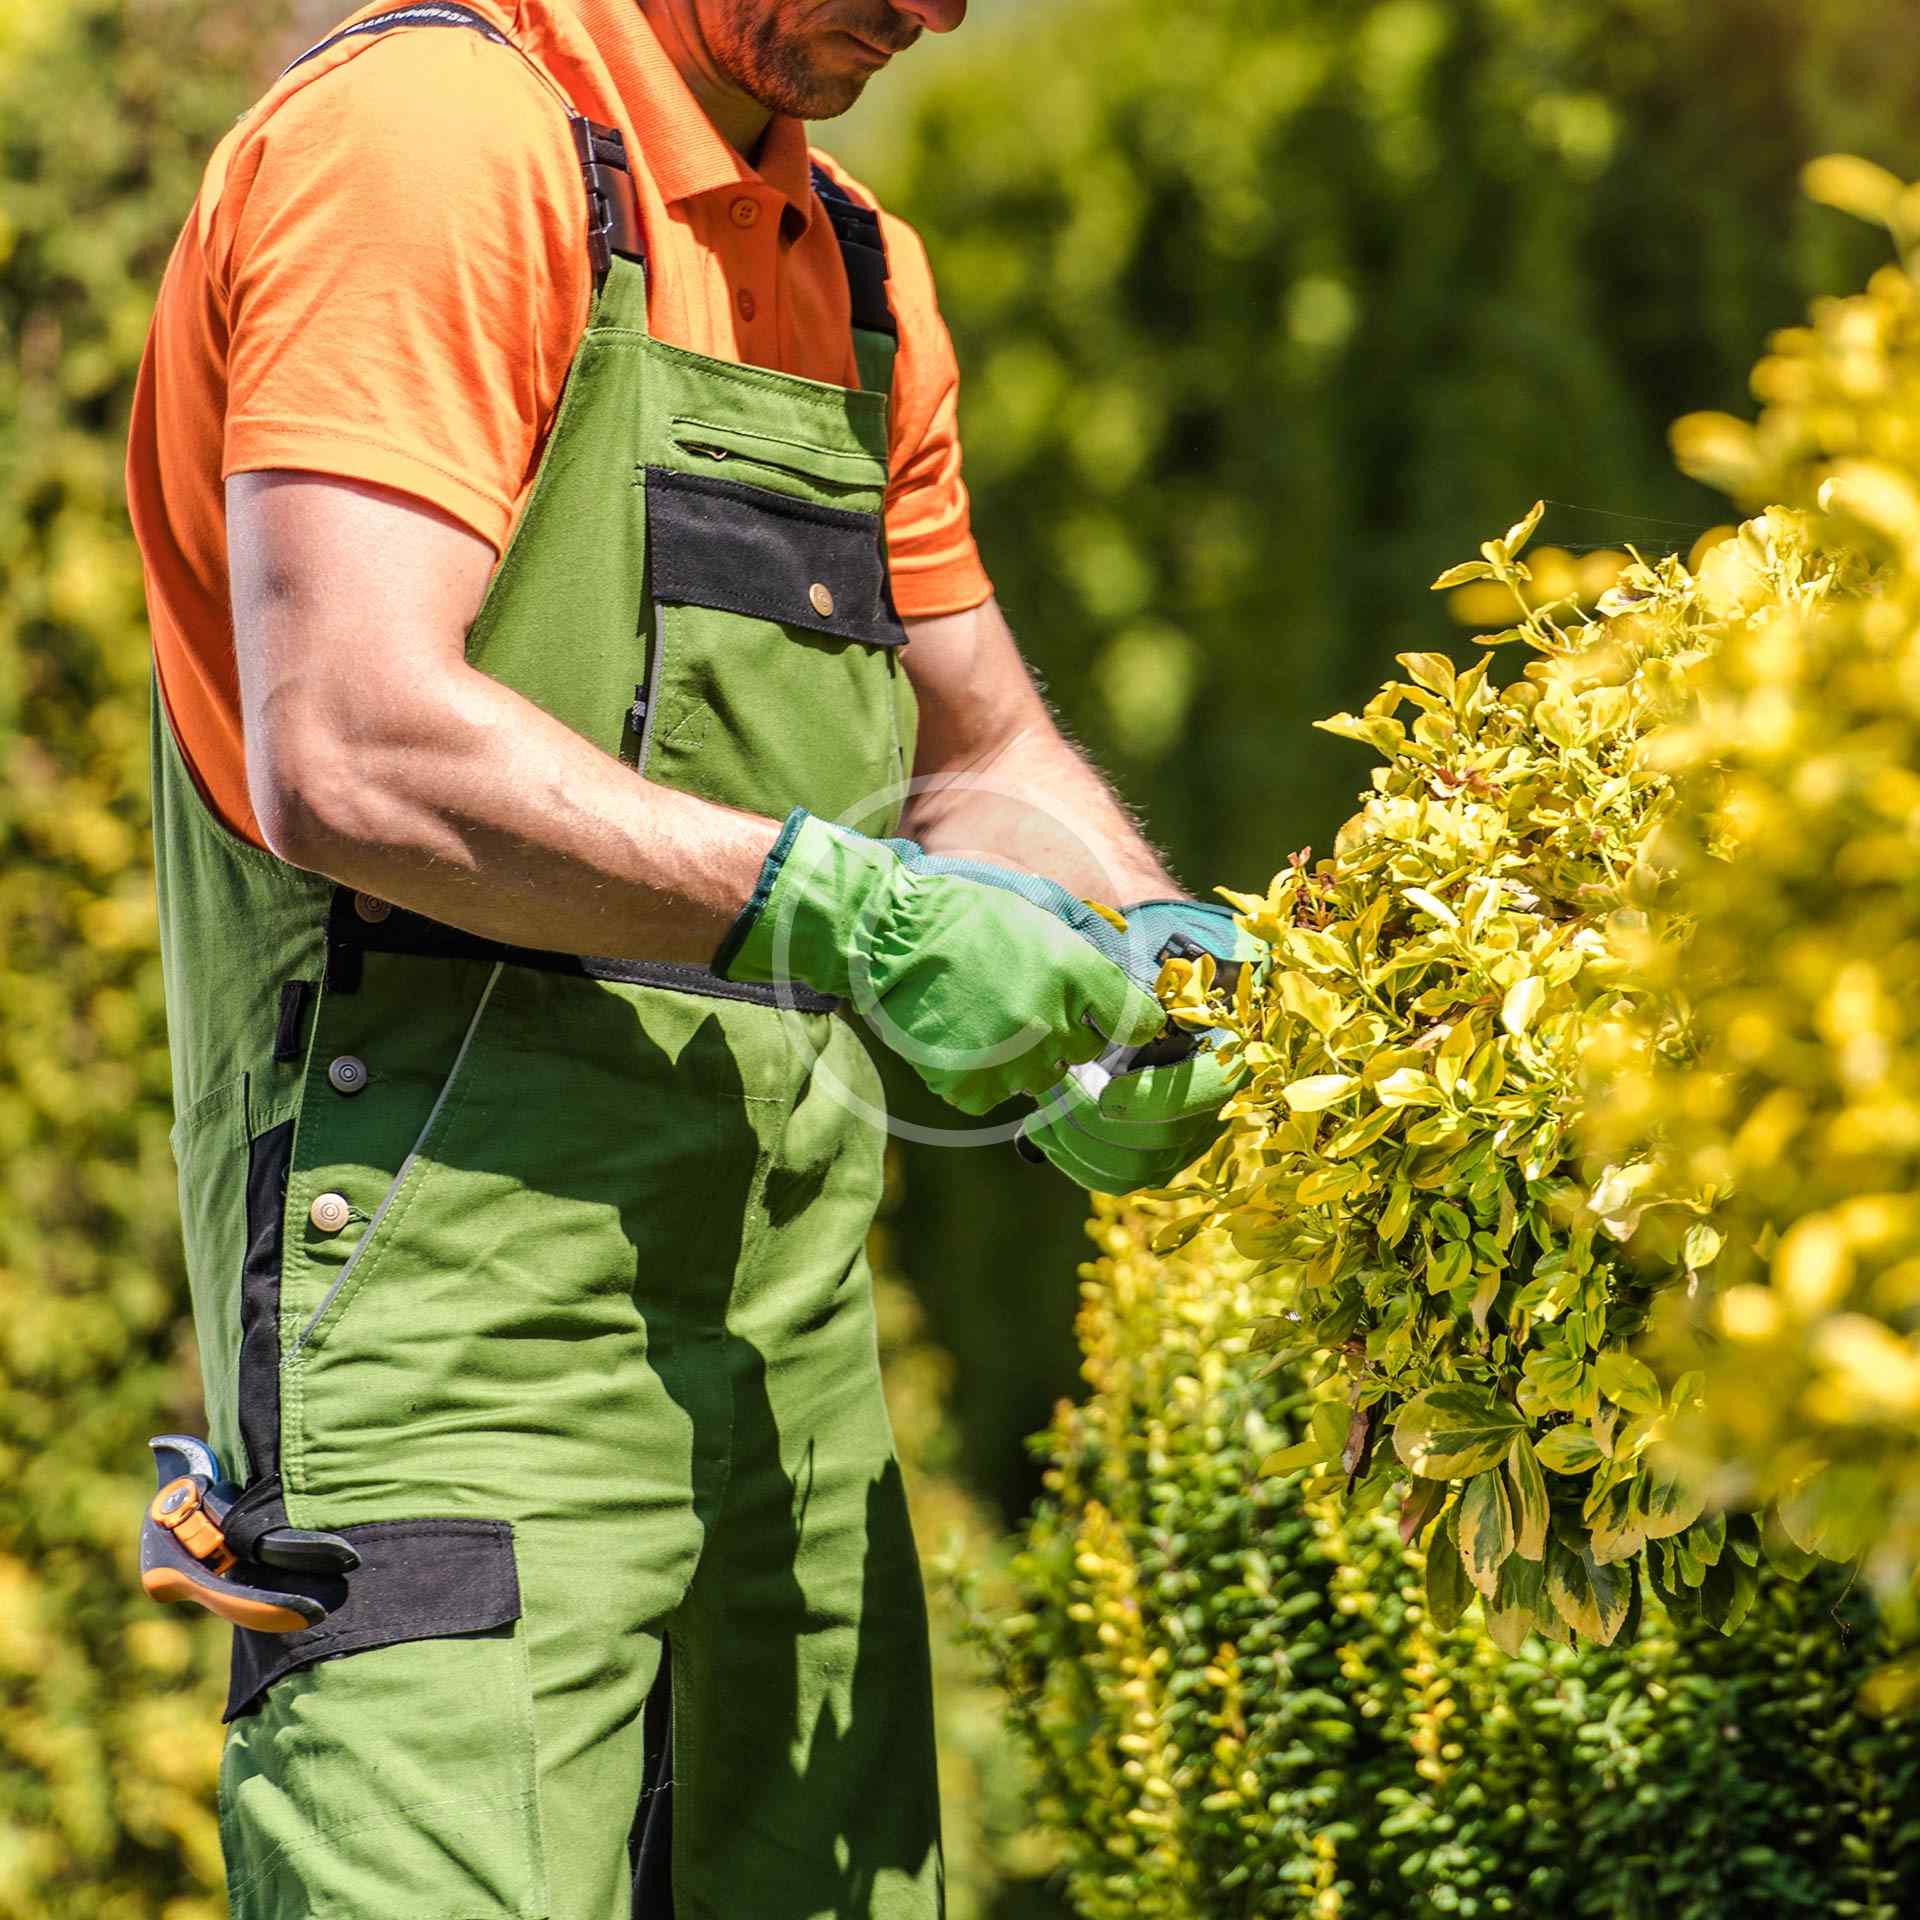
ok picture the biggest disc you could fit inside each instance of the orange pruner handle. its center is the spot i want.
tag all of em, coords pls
(179, 1508)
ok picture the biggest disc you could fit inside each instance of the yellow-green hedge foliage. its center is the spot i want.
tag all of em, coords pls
(1242, 1706)
(1403, 1162)
(1789, 932)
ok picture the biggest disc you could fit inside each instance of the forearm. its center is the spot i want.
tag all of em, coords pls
(996, 777)
(1037, 803)
(483, 811)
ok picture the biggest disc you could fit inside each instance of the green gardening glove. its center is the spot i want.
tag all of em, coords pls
(1121, 1133)
(1139, 1128)
(984, 993)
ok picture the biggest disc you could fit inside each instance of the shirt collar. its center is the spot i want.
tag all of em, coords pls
(684, 151)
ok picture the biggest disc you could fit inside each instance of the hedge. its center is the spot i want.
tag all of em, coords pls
(1241, 1704)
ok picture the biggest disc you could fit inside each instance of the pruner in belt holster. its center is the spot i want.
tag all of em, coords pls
(293, 1580)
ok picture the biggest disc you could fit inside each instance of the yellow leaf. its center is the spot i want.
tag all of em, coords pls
(1813, 1265)
(1875, 1367)
(1852, 185)
(1460, 575)
(1431, 903)
(1523, 1001)
(1522, 530)
(1319, 1091)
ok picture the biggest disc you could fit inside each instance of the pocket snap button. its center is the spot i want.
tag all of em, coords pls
(822, 597)
(371, 908)
(330, 1212)
(348, 1074)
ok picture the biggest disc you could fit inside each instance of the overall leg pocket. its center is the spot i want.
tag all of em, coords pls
(396, 1779)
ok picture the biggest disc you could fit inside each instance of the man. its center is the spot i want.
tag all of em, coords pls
(548, 484)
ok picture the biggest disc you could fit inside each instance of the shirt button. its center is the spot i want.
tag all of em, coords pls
(745, 212)
(371, 908)
(747, 304)
(348, 1074)
(330, 1212)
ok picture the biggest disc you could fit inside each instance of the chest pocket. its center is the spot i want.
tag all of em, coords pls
(773, 675)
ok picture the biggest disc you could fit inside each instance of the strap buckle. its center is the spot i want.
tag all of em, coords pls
(613, 209)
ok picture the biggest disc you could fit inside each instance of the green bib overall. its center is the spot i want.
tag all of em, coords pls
(542, 1277)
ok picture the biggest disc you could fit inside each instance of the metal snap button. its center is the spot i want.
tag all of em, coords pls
(822, 597)
(330, 1212)
(371, 908)
(348, 1074)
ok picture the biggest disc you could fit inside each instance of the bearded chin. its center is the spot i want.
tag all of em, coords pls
(771, 66)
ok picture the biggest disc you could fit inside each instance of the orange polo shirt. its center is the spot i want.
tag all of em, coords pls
(385, 276)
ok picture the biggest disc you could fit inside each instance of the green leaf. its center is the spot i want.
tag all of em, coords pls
(1519, 1599)
(1452, 1431)
(1486, 1529)
(1590, 1598)
(1617, 1533)
(1328, 1428)
(1802, 1516)
(1529, 1499)
(1664, 1504)
(1361, 1133)
(1448, 1266)
(1570, 1449)
(1727, 1593)
(1396, 1215)
(1783, 1556)
(1702, 1246)
(1627, 1382)
(1449, 1592)
(1407, 1087)
(1303, 1453)
(1176, 1233)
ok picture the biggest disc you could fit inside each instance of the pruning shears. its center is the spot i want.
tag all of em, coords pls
(1167, 1048)
(294, 1578)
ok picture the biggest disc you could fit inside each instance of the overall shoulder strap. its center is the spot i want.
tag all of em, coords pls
(613, 210)
(876, 333)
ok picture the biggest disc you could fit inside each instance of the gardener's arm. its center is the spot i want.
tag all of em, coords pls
(995, 777)
(377, 756)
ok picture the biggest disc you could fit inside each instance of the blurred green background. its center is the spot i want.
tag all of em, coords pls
(1266, 310)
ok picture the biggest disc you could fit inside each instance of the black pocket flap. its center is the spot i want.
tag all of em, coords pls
(741, 549)
(417, 1580)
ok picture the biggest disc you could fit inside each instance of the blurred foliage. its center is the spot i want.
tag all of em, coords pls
(1789, 932)
(1242, 1704)
(109, 1720)
(1402, 1162)
(1269, 308)
(992, 1847)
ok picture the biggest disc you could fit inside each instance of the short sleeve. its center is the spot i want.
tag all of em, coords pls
(931, 552)
(405, 275)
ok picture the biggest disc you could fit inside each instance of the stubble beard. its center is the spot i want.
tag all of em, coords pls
(767, 62)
